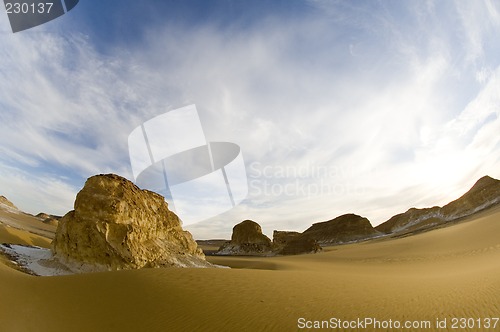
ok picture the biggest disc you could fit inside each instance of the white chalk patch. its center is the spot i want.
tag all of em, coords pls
(35, 260)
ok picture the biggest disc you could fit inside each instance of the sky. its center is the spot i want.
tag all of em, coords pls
(366, 107)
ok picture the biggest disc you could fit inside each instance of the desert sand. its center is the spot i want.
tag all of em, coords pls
(24, 221)
(452, 272)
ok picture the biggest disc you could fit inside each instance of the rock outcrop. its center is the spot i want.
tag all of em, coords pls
(484, 194)
(5, 202)
(282, 238)
(300, 245)
(293, 243)
(344, 229)
(247, 239)
(116, 225)
(411, 220)
(48, 219)
(249, 231)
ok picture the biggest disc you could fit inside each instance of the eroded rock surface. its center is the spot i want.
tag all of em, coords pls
(483, 195)
(300, 245)
(4, 201)
(247, 239)
(48, 218)
(116, 225)
(344, 229)
(281, 238)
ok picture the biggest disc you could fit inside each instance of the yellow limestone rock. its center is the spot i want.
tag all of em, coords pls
(116, 225)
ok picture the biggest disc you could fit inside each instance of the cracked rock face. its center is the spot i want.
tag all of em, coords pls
(116, 225)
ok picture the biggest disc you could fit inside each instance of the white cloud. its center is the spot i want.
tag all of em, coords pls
(33, 194)
(480, 23)
(405, 119)
(62, 103)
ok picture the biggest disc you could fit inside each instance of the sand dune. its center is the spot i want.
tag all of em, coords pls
(448, 273)
(13, 235)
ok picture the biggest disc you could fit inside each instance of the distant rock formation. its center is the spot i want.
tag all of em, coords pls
(115, 225)
(293, 243)
(249, 231)
(247, 239)
(282, 238)
(484, 194)
(300, 245)
(344, 229)
(48, 218)
(411, 220)
(7, 203)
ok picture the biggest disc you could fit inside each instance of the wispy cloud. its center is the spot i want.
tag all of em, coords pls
(390, 106)
(34, 194)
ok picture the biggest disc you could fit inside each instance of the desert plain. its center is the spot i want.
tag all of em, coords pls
(441, 275)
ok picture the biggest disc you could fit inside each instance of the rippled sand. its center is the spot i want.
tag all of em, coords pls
(447, 273)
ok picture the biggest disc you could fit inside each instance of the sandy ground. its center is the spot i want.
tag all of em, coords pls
(20, 220)
(443, 274)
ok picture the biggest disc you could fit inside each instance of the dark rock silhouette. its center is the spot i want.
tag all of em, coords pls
(343, 229)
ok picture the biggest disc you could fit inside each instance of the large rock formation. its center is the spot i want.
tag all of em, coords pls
(343, 229)
(484, 194)
(247, 239)
(115, 225)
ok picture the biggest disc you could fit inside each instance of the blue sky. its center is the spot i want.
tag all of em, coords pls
(369, 107)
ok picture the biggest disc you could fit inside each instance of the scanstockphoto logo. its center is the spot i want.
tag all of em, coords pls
(170, 155)
(26, 14)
